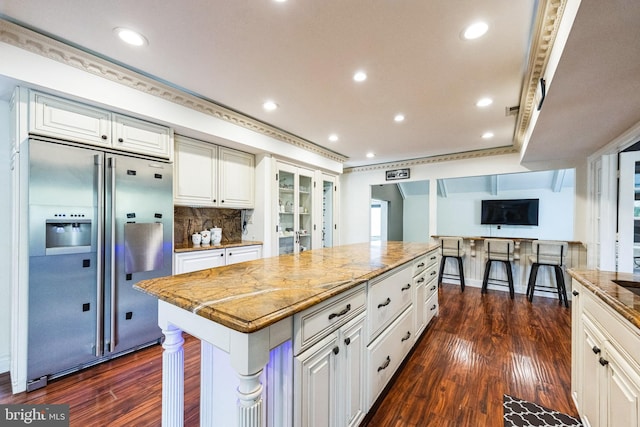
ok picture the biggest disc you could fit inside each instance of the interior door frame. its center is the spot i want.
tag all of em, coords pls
(625, 219)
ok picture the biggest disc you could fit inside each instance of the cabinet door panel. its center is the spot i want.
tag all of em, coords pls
(142, 137)
(315, 374)
(70, 120)
(194, 261)
(623, 391)
(195, 182)
(236, 178)
(243, 253)
(352, 372)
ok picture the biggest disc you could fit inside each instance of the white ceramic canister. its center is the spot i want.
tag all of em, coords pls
(196, 238)
(206, 237)
(216, 235)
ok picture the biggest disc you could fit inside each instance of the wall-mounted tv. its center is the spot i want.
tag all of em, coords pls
(510, 212)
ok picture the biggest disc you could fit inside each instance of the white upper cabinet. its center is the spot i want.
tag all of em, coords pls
(73, 121)
(195, 173)
(59, 118)
(211, 176)
(236, 178)
(142, 137)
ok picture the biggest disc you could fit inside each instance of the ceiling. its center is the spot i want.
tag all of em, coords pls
(302, 54)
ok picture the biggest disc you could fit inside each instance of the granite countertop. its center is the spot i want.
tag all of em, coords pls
(190, 247)
(252, 295)
(620, 299)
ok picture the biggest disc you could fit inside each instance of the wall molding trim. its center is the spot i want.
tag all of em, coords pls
(40, 44)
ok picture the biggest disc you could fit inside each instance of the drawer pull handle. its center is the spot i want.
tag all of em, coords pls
(575, 293)
(342, 313)
(433, 257)
(347, 341)
(420, 280)
(433, 288)
(433, 273)
(385, 364)
(104, 136)
(434, 307)
(406, 288)
(406, 337)
(603, 361)
(595, 349)
(384, 304)
(336, 350)
(421, 265)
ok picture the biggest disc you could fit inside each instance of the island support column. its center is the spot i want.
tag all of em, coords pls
(249, 356)
(172, 377)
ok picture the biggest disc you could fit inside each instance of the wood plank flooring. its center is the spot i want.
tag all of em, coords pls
(480, 347)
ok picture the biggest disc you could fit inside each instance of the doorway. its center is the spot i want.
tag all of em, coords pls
(379, 220)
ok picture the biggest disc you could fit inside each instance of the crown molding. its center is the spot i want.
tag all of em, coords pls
(497, 151)
(548, 18)
(37, 43)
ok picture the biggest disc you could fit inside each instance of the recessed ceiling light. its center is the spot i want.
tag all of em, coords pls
(475, 31)
(360, 76)
(333, 137)
(484, 102)
(270, 105)
(280, 1)
(399, 118)
(370, 155)
(130, 37)
(487, 135)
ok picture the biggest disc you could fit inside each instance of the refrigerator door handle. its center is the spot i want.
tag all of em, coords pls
(99, 179)
(112, 227)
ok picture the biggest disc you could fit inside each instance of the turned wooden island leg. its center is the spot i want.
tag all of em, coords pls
(172, 378)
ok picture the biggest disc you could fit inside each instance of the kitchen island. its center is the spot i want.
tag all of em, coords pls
(253, 311)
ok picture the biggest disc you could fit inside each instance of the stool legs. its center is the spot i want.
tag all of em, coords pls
(487, 269)
(562, 290)
(460, 270)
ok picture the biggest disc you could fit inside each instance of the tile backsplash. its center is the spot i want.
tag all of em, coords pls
(188, 220)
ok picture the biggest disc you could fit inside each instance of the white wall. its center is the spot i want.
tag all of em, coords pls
(355, 189)
(459, 214)
(5, 220)
(416, 219)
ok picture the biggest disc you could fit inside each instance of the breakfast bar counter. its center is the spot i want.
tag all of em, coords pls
(247, 309)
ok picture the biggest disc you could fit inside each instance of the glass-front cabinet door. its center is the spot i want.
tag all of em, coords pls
(295, 209)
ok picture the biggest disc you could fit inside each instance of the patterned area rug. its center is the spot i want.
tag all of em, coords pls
(521, 413)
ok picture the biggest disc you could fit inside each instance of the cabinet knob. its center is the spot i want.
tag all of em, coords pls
(223, 254)
(603, 361)
(221, 201)
(120, 140)
(575, 293)
(104, 137)
(230, 253)
(347, 341)
(336, 350)
(214, 200)
(595, 349)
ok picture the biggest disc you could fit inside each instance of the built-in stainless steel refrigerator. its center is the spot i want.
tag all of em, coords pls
(99, 222)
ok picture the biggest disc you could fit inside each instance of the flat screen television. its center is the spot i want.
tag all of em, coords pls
(510, 212)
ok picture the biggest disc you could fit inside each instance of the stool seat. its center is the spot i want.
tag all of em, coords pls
(548, 253)
(498, 250)
(451, 247)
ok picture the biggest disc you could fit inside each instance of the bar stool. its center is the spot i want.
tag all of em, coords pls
(550, 253)
(500, 250)
(451, 247)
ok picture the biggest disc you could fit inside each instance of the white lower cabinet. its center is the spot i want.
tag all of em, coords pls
(186, 262)
(387, 351)
(605, 368)
(329, 379)
(346, 349)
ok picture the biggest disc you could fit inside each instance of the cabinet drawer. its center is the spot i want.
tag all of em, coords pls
(431, 308)
(430, 289)
(200, 260)
(387, 298)
(387, 352)
(419, 265)
(320, 320)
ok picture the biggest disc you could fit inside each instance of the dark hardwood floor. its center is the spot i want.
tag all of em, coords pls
(479, 348)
